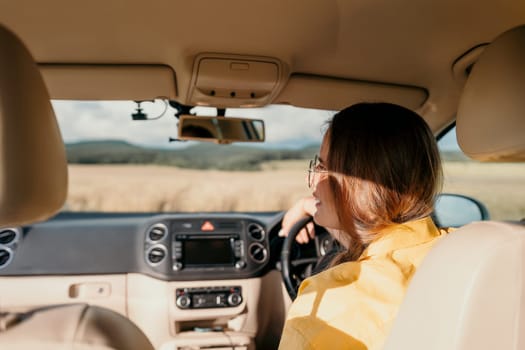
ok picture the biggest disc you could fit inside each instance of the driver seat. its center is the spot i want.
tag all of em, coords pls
(33, 186)
(469, 292)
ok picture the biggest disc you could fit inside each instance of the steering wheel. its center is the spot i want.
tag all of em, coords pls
(295, 269)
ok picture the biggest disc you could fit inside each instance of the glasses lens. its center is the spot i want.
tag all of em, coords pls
(311, 171)
(310, 174)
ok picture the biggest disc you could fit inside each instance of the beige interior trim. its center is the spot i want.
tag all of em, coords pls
(109, 81)
(329, 93)
(344, 39)
(150, 304)
(21, 294)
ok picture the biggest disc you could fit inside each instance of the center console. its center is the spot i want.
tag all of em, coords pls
(214, 314)
(212, 266)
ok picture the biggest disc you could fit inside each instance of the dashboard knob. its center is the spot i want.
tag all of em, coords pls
(240, 264)
(177, 266)
(183, 301)
(234, 299)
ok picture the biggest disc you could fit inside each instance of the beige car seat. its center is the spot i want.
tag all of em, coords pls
(469, 292)
(33, 186)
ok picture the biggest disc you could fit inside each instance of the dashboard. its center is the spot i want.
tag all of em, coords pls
(187, 280)
(178, 277)
(177, 247)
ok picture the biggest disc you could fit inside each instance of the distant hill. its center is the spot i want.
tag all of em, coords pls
(200, 156)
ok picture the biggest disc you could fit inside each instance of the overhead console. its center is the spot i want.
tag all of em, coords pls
(206, 248)
(221, 80)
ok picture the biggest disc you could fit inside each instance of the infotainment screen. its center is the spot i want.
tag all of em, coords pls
(210, 252)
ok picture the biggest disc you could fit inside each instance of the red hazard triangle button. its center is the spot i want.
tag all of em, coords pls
(207, 226)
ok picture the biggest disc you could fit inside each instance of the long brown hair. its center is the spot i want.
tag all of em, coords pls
(385, 168)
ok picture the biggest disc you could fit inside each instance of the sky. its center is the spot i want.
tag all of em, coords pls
(286, 126)
(448, 142)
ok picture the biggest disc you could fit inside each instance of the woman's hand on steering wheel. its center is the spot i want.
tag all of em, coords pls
(303, 208)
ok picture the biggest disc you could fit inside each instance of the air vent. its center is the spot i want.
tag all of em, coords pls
(156, 254)
(9, 236)
(256, 232)
(6, 255)
(157, 232)
(257, 252)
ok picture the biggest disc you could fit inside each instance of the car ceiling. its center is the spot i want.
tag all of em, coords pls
(408, 43)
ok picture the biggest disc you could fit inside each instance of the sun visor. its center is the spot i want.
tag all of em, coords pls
(109, 82)
(221, 80)
(312, 91)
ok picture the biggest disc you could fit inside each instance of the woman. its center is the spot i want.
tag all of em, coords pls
(374, 185)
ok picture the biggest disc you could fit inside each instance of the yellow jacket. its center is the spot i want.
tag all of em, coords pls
(352, 305)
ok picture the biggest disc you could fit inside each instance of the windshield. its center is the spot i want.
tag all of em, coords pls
(117, 164)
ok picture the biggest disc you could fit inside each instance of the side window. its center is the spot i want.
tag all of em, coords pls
(499, 186)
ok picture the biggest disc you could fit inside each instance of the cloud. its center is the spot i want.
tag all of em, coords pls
(101, 120)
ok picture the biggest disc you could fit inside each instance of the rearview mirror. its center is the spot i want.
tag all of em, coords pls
(220, 129)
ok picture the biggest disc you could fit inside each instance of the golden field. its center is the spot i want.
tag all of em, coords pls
(500, 186)
(132, 188)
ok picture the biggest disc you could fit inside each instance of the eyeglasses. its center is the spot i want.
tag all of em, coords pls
(315, 167)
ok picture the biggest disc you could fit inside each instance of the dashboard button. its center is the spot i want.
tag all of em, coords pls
(183, 302)
(234, 299)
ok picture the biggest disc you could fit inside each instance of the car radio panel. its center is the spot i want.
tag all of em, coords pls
(206, 248)
(207, 251)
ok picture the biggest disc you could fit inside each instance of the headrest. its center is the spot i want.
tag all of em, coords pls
(491, 114)
(33, 165)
